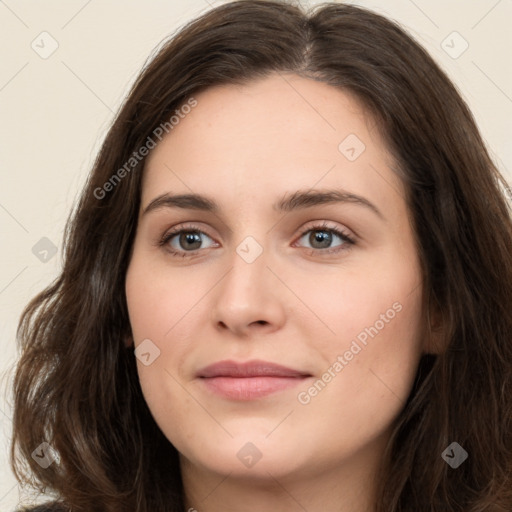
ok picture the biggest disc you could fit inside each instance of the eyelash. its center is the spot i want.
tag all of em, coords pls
(346, 238)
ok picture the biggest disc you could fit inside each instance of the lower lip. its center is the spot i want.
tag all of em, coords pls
(249, 388)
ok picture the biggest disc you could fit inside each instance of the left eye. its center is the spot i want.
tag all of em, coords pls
(322, 238)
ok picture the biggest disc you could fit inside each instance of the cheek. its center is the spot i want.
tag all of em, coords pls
(378, 304)
(371, 365)
(370, 341)
(163, 308)
(159, 310)
(158, 300)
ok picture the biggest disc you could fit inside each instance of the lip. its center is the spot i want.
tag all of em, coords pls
(249, 380)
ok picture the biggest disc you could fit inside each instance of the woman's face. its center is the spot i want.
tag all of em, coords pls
(297, 250)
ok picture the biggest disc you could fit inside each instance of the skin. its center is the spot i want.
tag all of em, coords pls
(246, 147)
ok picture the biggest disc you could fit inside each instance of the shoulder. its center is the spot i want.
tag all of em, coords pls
(51, 506)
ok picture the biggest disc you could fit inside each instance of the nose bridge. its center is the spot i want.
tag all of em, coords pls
(249, 273)
(249, 292)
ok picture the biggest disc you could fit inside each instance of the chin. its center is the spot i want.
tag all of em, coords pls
(247, 456)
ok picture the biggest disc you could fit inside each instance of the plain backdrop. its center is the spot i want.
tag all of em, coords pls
(56, 108)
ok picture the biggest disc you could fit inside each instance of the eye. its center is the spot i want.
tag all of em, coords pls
(322, 237)
(184, 241)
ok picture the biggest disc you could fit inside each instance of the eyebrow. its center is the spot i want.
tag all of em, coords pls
(298, 200)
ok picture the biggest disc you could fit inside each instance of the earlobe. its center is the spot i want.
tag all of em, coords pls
(128, 342)
(435, 341)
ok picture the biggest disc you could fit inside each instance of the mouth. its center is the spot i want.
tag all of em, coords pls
(249, 380)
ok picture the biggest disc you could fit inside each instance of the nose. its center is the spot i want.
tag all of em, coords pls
(249, 299)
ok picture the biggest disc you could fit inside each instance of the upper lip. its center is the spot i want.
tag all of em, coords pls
(254, 368)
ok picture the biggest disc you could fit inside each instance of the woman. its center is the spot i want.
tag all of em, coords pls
(336, 338)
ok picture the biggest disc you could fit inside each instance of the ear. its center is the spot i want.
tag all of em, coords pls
(435, 332)
(128, 341)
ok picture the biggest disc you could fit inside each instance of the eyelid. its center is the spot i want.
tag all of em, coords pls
(318, 225)
(175, 230)
(348, 238)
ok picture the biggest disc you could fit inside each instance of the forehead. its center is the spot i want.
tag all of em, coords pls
(273, 135)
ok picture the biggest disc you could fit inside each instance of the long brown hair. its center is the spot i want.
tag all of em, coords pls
(76, 385)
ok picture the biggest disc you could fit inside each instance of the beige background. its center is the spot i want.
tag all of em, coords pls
(56, 110)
